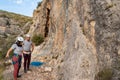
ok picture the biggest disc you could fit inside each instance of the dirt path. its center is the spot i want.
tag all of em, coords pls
(36, 73)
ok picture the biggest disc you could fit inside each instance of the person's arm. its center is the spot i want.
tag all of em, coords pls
(32, 47)
(8, 52)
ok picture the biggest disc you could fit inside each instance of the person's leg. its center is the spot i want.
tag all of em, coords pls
(25, 62)
(15, 63)
(19, 61)
(15, 71)
(29, 60)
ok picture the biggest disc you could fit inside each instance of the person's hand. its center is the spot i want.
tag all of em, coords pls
(22, 54)
(7, 56)
(31, 51)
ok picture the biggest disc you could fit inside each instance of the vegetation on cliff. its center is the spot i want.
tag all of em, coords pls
(37, 39)
(21, 19)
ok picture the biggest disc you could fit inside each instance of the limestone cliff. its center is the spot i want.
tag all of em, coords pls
(82, 38)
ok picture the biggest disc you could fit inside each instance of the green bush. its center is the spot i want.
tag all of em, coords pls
(37, 39)
(5, 44)
(2, 68)
(39, 4)
(105, 74)
(1, 76)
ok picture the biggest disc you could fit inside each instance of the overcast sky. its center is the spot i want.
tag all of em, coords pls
(24, 7)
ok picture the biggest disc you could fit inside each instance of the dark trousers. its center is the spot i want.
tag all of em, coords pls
(17, 65)
(27, 59)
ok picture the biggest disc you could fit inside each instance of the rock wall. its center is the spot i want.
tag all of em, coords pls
(82, 37)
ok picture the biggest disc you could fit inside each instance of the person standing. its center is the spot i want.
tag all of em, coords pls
(28, 48)
(17, 57)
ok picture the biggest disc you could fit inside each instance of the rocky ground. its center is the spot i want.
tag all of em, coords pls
(43, 72)
(36, 73)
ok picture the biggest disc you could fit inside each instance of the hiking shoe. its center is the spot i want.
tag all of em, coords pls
(29, 70)
(25, 71)
(18, 76)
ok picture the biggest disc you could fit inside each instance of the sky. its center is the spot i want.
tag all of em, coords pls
(24, 7)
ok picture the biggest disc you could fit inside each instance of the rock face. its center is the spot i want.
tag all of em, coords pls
(82, 38)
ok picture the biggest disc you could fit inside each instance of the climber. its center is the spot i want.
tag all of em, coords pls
(28, 47)
(17, 57)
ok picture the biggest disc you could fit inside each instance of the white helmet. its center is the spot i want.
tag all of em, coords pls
(27, 35)
(20, 39)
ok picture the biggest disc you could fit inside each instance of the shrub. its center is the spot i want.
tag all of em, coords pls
(37, 39)
(105, 74)
(1, 72)
(39, 4)
(3, 15)
(5, 44)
